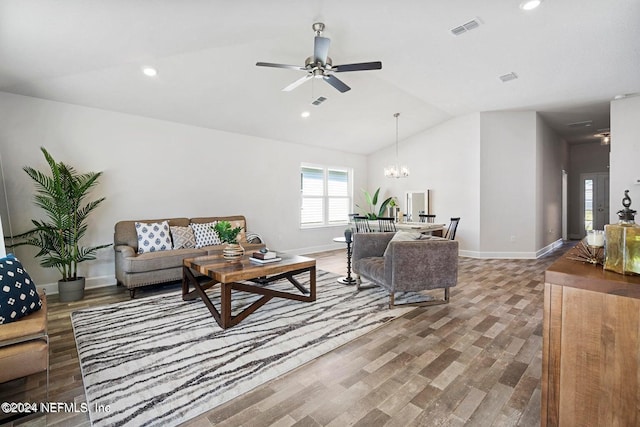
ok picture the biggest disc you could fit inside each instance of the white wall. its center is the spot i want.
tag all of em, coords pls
(446, 160)
(156, 169)
(501, 172)
(625, 155)
(551, 159)
(508, 184)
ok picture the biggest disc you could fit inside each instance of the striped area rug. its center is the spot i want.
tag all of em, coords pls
(162, 361)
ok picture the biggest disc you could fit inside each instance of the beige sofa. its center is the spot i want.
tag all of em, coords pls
(135, 270)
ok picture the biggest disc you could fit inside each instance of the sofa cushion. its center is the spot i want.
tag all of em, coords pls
(182, 237)
(18, 294)
(20, 360)
(372, 268)
(159, 260)
(153, 237)
(205, 234)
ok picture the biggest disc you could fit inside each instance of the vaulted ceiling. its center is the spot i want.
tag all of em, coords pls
(571, 58)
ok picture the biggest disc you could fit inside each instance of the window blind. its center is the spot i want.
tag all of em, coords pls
(325, 196)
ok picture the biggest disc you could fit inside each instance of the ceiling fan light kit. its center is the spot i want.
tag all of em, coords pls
(321, 66)
(604, 135)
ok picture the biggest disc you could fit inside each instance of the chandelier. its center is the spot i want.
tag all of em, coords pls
(396, 171)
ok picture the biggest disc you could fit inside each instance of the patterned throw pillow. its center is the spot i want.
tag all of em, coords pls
(405, 236)
(153, 236)
(182, 237)
(242, 237)
(18, 294)
(205, 234)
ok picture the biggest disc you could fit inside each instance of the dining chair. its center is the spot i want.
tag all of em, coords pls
(386, 224)
(427, 218)
(361, 223)
(451, 231)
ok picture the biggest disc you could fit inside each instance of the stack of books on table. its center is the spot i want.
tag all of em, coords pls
(265, 257)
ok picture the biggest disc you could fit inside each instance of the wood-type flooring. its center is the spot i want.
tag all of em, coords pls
(475, 361)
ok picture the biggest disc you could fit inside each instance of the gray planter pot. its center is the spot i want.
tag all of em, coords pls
(71, 290)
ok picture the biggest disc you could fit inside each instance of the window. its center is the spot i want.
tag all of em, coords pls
(588, 204)
(325, 196)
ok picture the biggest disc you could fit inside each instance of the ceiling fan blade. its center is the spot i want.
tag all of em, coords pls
(377, 65)
(321, 49)
(297, 83)
(291, 67)
(336, 83)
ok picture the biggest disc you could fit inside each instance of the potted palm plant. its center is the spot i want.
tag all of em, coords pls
(61, 194)
(229, 235)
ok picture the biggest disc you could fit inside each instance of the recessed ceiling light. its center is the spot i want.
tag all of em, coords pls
(530, 4)
(305, 114)
(150, 71)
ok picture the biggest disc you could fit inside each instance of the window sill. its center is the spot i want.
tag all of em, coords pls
(316, 227)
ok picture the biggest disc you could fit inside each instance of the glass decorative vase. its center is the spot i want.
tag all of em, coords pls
(622, 241)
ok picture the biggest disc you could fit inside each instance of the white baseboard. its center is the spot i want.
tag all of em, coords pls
(497, 255)
(90, 283)
(512, 255)
(314, 249)
(549, 248)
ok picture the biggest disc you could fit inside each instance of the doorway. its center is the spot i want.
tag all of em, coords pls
(594, 200)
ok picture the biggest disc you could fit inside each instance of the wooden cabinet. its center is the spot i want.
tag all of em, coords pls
(591, 347)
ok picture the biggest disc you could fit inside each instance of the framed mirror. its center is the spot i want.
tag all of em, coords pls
(417, 202)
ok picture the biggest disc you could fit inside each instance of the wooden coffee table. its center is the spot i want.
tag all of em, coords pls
(230, 274)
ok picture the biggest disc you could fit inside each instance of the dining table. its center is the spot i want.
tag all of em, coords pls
(420, 227)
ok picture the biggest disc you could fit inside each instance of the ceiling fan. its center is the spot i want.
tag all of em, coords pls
(320, 65)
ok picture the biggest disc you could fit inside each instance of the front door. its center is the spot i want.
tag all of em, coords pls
(594, 191)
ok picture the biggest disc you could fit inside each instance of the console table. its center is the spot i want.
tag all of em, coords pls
(591, 346)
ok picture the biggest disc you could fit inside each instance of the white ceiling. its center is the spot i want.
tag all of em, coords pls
(572, 57)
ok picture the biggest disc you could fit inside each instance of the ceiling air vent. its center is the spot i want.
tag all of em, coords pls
(319, 101)
(508, 77)
(467, 26)
(583, 124)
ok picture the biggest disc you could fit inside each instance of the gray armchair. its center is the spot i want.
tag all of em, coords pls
(401, 266)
